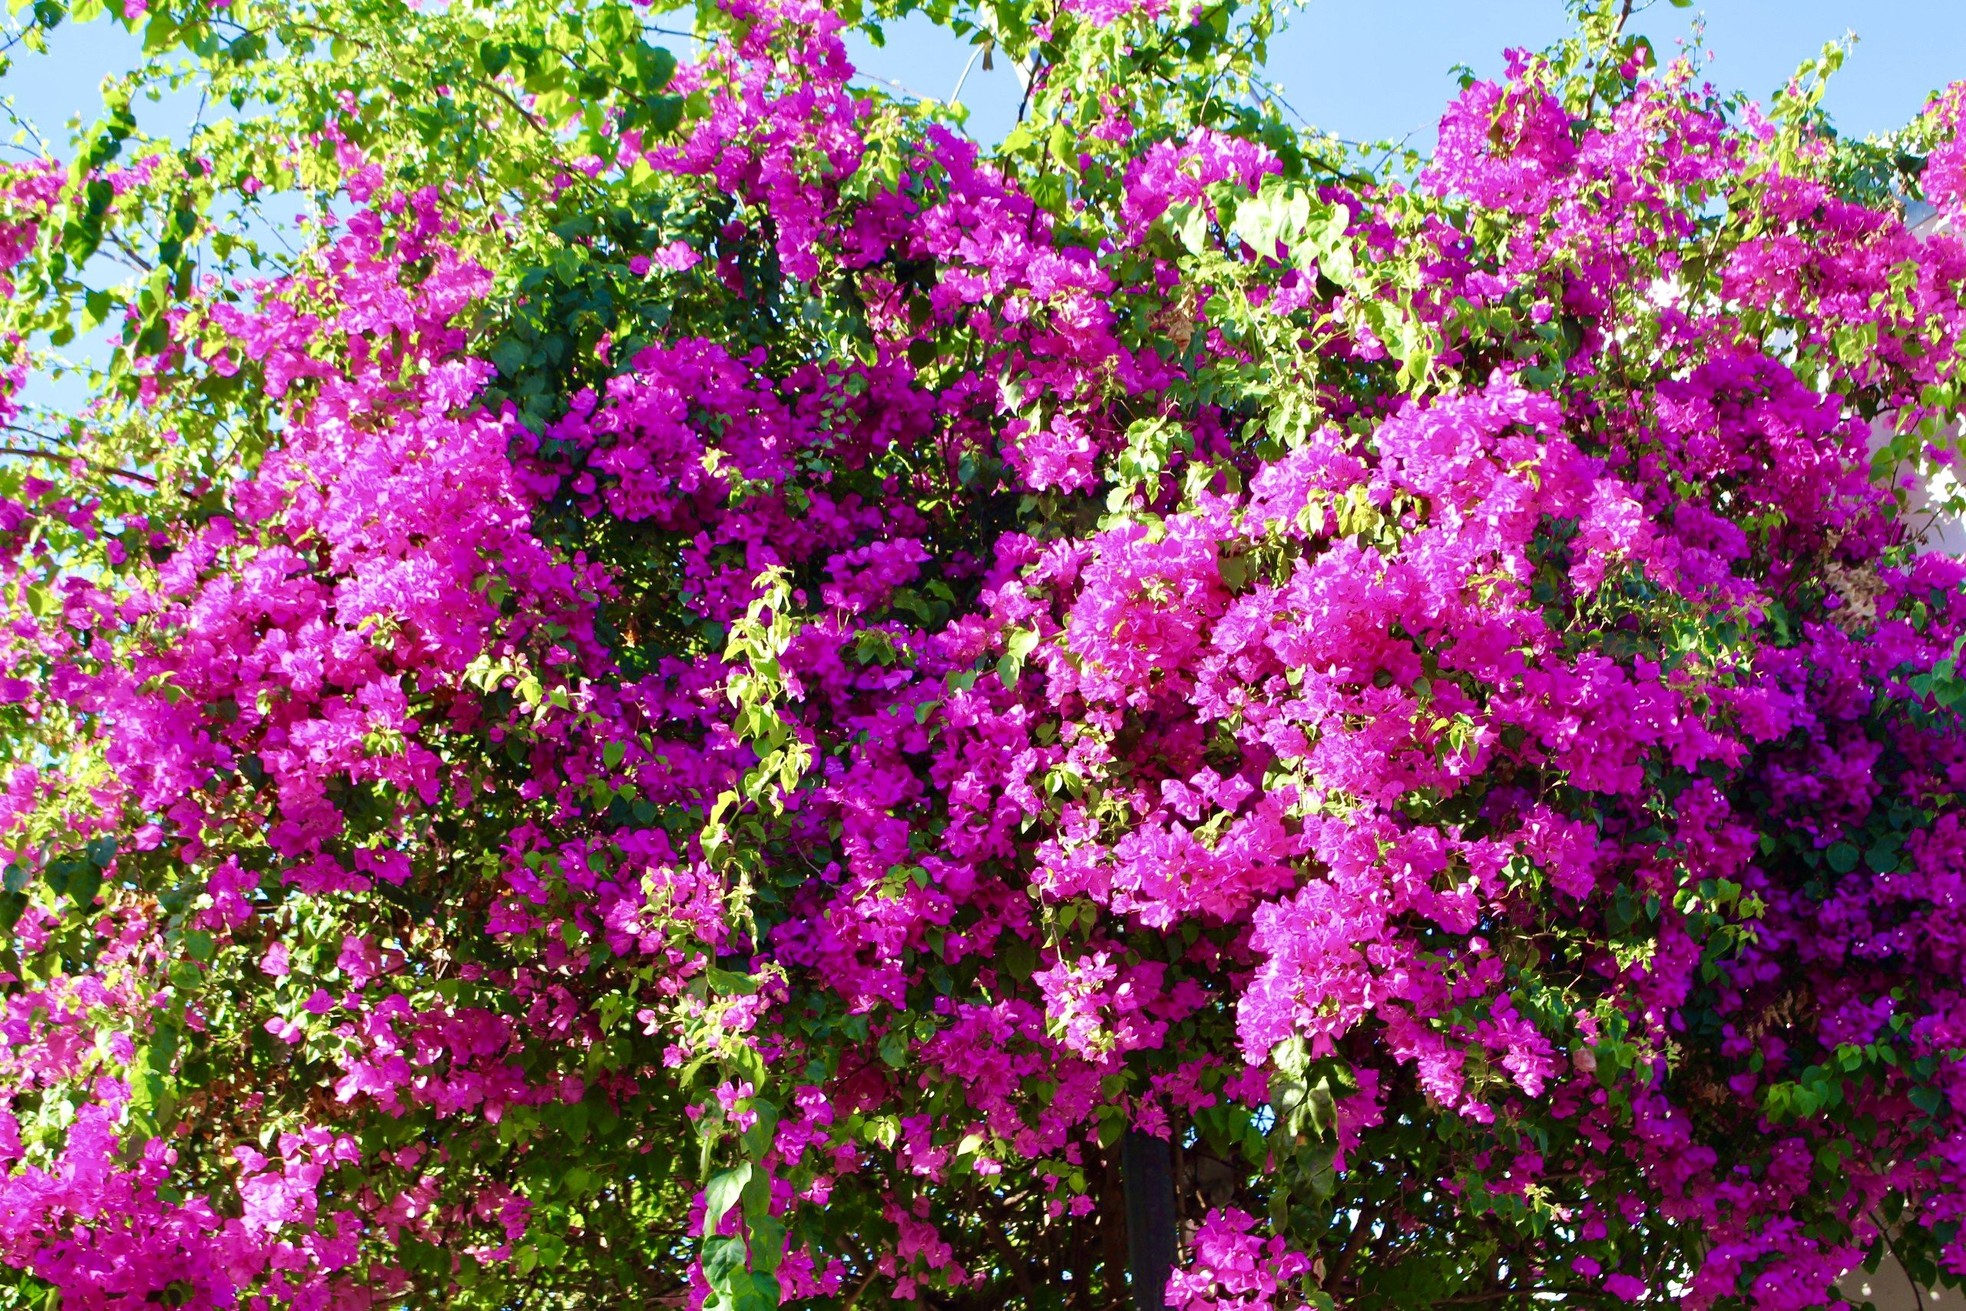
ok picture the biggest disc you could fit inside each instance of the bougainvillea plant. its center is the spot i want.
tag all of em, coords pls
(696, 690)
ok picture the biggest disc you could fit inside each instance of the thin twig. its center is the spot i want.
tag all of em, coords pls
(955, 97)
(69, 457)
(892, 85)
(1277, 97)
(128, 252)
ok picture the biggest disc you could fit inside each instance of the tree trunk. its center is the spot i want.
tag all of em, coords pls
(1147, 1167)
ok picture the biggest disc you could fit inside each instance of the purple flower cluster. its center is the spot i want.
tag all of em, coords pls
(1558, 762)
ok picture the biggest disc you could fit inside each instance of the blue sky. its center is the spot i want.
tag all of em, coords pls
(1370, 70)
(1379, 68)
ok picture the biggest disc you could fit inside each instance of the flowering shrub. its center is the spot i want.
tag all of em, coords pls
(714, 692)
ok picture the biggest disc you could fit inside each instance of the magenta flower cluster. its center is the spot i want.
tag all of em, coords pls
(1544, 751)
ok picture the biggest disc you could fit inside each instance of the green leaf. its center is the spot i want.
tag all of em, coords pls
(721, 1194)
(656, 67)
(767, 1243)
(720, 1257)
(81, 891)
(753, 1291)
